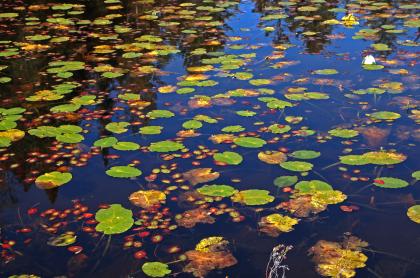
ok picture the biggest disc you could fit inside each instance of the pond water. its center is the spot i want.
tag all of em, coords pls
(190, 138)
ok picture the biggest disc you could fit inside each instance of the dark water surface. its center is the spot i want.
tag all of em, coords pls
(248, 63)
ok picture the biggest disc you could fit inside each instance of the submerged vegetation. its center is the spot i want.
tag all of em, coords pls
(188, 138)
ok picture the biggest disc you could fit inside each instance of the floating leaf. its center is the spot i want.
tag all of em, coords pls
(385, 115)
(156, 269)
(253, 197)
(230, 158)
(53, 179)
(388, 182)
(192, 124)
(64, 239)
(272, 157)
(106, 142)
(326, 71)
(151, 130)
(305, 154)
(126, 146)
(123, 172)
(414, 213)
(284, 181)
(200, 175)
(297, 166)
(343, 133)
(165, 146)
(337, 260)
(312, 186)
(249, 142)
(217, 190)
(275, 224)
(233, 128)
(117, 127)
(114, 220)
(147, 198)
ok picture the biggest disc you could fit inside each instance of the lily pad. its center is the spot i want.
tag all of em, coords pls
(230, 158)
(156, 269)
(192, 124)
(151, 130)
(414, 213)
(117, 127)
(385, 115)
(253, 197)
(53, 179)
(114, 220)
(123, 172)
(297, 166)
(343, 133)
(305, 154)
(249, 142)
(388, 182)
(106, 142)
(147, 198)
(326, 71)
(284, 181)
(217, 190)
(165, 146)
(312, 186)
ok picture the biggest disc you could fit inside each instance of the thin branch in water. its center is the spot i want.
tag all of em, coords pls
(275, 268)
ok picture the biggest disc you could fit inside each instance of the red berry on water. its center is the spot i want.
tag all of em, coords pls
(140, 255)
(144, 234)
(32, 211)
(379, 181)
(75, 249)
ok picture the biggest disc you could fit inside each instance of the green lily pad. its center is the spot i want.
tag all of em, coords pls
(106, 142)
(123, 172)
(117, 127)
(217, 190)
(380, 47)
(249, 142)
(70, 138)
(5, 142)
(253, 197)
(326, 71)
(388, 182)
(312, 186)
(373, 67)
(155, 114)
(192, 124)
(233, 128)
(278, 129)
(414, 213)
(284, 181)
(53, 179)
(126, 146)
(297, 166)
(385, 115)
(114, 220)
(416, 175)
(260, 82)
(165, 146)
(305, 154)
(246, 113)
(151, 130)
(378, 158)
(64, 239)
(156, 269)
(230, 158)
(343, 133)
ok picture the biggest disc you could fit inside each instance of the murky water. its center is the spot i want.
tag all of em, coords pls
(201, 102)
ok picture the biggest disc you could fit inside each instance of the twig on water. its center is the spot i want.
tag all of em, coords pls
(275, 268)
